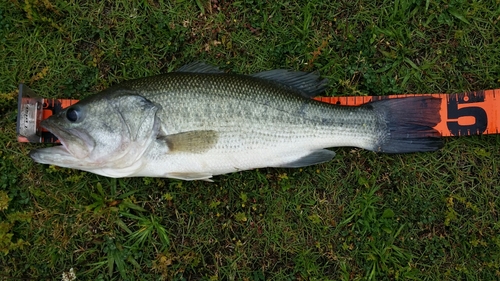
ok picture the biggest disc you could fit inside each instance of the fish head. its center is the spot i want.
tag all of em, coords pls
(101, 132)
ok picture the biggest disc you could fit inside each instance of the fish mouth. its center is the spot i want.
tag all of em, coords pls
(60, 155)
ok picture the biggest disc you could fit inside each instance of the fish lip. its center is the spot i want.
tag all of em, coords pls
(54, 129)
(46, 155)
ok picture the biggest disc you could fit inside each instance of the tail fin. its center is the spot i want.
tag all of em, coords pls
(409, 124)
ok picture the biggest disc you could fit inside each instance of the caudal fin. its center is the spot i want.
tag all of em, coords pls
(410, 124)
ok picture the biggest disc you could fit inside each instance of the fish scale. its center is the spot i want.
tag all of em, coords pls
(268, 112)
(194, 124)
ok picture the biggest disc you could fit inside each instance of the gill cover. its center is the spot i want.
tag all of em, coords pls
(138, 124)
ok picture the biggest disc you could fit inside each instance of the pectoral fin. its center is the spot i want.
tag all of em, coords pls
(191, 176)
(192, 141)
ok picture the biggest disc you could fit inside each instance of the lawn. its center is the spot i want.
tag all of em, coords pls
(362, 216)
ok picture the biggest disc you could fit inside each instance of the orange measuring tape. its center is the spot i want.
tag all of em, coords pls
(462, 114)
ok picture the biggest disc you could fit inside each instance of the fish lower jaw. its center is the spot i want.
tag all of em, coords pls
(60, 156)
(55, 155)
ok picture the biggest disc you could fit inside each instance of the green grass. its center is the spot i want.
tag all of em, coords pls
(362, 216)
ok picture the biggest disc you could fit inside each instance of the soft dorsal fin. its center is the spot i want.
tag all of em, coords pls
(309, 84)
(199, 67)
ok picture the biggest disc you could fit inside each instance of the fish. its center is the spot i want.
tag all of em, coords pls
(199, 122)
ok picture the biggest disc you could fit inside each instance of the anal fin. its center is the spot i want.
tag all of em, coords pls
(191, 176)
(315, 157)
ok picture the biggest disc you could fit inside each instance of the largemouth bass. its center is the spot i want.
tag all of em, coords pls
(199, 122)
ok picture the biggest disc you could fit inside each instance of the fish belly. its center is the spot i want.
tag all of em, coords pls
(238, 152)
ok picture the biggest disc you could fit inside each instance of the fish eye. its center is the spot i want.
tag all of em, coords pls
(72, 114)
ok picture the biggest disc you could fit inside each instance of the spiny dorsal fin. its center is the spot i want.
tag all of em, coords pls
(308, 83)
(199, 67)
(192, 141)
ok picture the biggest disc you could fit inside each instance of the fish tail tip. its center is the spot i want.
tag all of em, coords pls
(410, 125)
